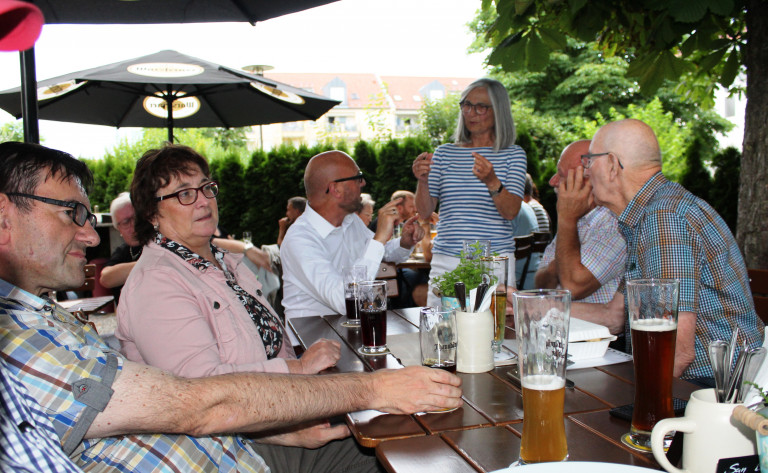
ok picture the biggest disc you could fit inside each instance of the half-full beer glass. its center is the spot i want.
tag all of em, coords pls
(353, 275)
(541, 324)
(652, 307)
(498, 268)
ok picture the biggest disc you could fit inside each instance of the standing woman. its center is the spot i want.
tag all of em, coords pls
(478, 179)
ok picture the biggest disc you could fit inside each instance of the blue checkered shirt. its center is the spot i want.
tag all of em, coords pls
(28, 441)
(603, 252)
(671, 233)
(48, 350)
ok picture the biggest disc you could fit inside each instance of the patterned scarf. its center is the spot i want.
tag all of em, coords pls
(266, 322)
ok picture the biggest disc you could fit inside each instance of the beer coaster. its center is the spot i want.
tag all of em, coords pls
(627, 440)
(385, 352)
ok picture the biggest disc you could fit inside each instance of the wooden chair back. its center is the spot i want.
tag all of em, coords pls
(90, 280)
(758, 282)
(523, 251)
(388, 272)
(540, 241)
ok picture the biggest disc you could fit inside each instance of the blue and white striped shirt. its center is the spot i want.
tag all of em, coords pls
(467, 211)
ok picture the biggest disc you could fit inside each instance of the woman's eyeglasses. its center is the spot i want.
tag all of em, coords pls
(79, 212)
(189, 196)
(479, 108)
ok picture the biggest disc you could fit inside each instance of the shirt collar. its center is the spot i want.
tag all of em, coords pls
(9, 291)
(322, 226)
(632, 215)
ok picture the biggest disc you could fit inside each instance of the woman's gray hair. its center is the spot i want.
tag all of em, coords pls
(366, 199)
(504, 124)
(122, 199)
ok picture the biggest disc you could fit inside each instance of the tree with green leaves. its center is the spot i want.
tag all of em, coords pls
(698, 44)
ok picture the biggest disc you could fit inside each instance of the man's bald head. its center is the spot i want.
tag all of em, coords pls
(324, 168)
(570, 158)
(633, 141)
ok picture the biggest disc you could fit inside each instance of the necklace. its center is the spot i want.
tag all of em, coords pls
(134, 257)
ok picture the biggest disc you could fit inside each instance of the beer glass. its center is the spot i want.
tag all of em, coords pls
(437, 335)
(541, 323)
(372, 307)
(353, 275)
(652, 305)
(498, 268)
(471, 247)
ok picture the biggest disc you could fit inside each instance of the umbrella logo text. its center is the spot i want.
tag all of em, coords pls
(51, 91)
(165, 69)
(182, 107)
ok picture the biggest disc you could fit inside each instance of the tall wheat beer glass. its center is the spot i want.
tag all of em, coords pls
(652, 307)
(542, 318)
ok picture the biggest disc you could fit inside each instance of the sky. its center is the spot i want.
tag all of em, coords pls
(386, 37)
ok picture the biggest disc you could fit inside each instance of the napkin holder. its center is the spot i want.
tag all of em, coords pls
(474, 351)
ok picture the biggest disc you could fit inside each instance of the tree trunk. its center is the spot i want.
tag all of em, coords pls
(752, 227)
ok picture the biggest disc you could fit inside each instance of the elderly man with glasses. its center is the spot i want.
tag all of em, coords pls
(329, 237)
(588, 253)
(671, 233)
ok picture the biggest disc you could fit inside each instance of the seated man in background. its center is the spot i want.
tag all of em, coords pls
(542, 217)
(588, 254)
(95, 398)
(123, 259)
(526, 224)
(329, 236)
(293, 210)
(670, 233)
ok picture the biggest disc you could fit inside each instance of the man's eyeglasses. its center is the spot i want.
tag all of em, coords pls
(586, 159)
(479, 108)
(357, 177)
(188, 196)
(79, 213)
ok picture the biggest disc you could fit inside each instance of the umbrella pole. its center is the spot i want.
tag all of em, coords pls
(29, 96)
(169, 109)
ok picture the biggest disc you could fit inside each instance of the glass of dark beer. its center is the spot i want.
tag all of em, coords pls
(372, 308)
(353, 275)
(652, 305)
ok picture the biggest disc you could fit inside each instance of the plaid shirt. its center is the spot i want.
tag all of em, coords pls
(603, 252)
(48, 350)
(28, 442)
(671, 233)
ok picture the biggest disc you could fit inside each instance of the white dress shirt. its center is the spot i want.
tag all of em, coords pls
(314, 254)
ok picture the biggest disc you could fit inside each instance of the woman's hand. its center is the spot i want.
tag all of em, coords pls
(483, 170)
(320, 355)
(421, 166)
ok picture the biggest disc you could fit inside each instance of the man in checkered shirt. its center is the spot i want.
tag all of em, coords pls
(671, 233)
(105, 410)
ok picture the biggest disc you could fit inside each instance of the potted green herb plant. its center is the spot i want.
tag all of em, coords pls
(470, 271)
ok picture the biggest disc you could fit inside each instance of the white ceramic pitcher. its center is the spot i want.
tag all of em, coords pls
(710, 435)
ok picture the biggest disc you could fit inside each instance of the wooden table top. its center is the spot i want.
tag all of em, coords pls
(484, 434)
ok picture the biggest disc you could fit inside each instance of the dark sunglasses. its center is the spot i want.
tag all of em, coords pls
(356, 177)
(80, 213)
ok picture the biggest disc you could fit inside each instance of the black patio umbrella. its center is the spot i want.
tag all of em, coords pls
(143, 11)
(169, 89)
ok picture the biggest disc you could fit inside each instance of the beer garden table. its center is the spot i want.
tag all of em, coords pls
(484, 434)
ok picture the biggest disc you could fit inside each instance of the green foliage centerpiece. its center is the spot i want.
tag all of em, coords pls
(470, 271)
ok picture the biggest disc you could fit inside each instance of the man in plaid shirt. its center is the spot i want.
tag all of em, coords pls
(671, 233)
(105, 410)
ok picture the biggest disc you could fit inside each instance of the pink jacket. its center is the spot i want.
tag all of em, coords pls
(189, 322)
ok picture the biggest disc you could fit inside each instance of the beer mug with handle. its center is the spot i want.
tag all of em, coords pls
(709, 435)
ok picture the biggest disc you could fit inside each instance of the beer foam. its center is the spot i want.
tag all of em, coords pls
(543, 382)
(653, 325)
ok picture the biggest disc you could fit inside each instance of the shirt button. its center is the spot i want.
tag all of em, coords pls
(216, 305)
(258, 292)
